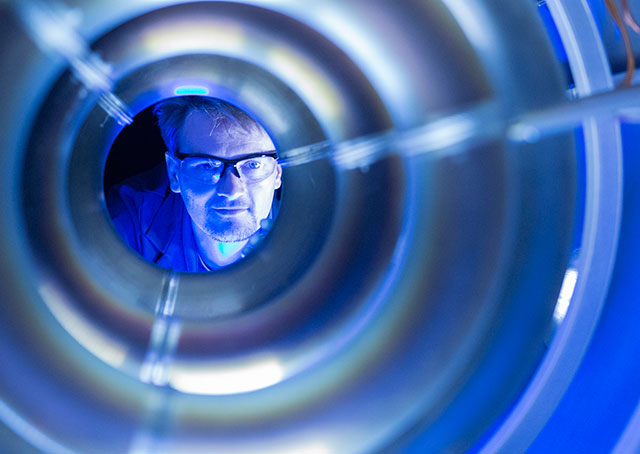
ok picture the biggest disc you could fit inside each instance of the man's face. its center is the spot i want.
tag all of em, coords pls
(231, 209)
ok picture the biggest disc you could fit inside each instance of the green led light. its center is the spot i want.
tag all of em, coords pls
(191, 90)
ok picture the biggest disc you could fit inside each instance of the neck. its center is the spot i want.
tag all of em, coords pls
(215, 253)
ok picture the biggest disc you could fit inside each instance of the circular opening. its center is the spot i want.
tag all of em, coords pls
(111, 270)
(193, 184)
(411, 271)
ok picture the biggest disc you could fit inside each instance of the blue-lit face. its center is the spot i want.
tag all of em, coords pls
(228, 208)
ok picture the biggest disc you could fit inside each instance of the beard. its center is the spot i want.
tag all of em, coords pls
(231, 231)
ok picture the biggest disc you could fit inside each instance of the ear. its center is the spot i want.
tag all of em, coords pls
(278, 182)
(173, 167)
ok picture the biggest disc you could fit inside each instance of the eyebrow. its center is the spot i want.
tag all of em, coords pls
(270, 153)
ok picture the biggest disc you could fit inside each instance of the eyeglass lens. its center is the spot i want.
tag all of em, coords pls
(209, 170)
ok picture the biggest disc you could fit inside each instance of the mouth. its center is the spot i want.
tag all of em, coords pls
(229, 211)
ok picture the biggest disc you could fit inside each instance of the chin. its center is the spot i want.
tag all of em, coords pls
(232, 233)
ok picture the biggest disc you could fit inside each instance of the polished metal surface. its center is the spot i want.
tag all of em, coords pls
(603, 209)
(403, 299)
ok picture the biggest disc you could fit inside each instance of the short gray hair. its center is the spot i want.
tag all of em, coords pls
(172, 113)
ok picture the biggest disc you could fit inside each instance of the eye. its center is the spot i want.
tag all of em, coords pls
(252, 165)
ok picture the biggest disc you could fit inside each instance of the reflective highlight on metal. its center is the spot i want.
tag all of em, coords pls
(52, 28)
(416, 293)
(594, 265)
(447, 135)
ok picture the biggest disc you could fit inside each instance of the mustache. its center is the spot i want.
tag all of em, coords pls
(226, 205)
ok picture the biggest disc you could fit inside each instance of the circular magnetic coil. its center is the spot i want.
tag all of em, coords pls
(400, 304)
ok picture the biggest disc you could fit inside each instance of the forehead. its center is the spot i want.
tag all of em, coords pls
(198, 136)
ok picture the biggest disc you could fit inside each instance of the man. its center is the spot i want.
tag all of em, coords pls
(222, 172)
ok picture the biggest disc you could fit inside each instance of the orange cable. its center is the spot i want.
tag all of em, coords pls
(631, 61)
(628, 17)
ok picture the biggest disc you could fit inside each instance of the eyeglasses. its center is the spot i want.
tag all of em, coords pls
(251, 168)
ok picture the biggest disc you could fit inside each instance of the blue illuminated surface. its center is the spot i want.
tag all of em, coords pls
(594, 411)
(550, 25)
(265, 371)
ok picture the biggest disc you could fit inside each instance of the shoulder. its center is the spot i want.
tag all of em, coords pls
(147, 188)
(153, 181)
(134, 203)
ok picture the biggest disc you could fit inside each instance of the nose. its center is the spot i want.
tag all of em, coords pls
(230, 185)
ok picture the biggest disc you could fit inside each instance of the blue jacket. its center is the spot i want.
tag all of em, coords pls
(153, 220)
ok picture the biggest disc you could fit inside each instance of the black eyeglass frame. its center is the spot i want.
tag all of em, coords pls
(228, 162)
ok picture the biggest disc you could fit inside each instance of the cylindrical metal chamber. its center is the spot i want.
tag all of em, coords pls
(399, 304)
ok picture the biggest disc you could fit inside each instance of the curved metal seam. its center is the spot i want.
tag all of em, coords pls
(165, 333)
(629, 441)
(600, 237)
(22, 427)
